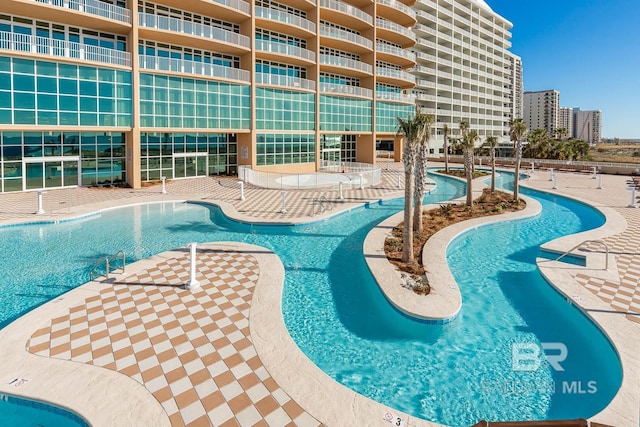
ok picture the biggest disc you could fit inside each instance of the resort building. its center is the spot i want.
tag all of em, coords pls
(565, 120)
(587, 125)
(463, 69)
(118, 91)
(517, 89)
(541, 110)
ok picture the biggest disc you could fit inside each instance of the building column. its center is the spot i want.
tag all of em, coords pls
(133, 151)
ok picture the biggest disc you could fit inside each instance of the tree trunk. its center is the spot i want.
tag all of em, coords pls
(418, 191)
(468, 163)
(407, 231)
(516, 176)
(493, 170)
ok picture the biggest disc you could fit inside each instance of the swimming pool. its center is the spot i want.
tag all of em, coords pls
(453, 374)
(17, 412)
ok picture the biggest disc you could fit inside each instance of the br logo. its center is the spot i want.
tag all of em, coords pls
(526, 356)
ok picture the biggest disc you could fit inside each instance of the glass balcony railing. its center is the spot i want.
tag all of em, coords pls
(392, 26)
(336, 33)
(287, 81)
(285, 49)
(398, 6)
(62, 48)
(93, 7)
(395, 74)
(346, 63)
(347, 9)
(148, 20)
(394, 96)
(381, 47)
(345, 90)
(240, 5)
(287, 18)
(193, 67)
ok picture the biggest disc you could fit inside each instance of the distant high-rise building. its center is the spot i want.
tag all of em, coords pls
(541, 110)
(515, 85)
(587, 125)
(463, 66)
(565, 120)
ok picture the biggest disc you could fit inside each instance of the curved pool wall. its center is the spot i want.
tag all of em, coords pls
(335, 311)
(19, 412)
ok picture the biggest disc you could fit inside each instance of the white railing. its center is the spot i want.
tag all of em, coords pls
(336, 33)
(396, 74)
(397, 51)
(193, 67)
(397, 97)
(350, 174)
(288, 18)
(285, 49)
(240, 5)
(392, 26)
(63, 48)
(345, 62)
(398, 6)
(94, 7)
(347, 9)
(287, 81)
(345, 90)
(149, 20)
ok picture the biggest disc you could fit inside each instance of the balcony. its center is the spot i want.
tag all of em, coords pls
(344, 40)
(62, 49)
(395, 97)
(395, 55)
(237, 11)
(396, 77)
(192, 67)
(285, 81)
(92, 14)
(273, 50)
(338, 65)
(395, 33)
(283, 22)
(343, 13)
(240, 5)
(345, 90)
(194, 34)
(396, 12)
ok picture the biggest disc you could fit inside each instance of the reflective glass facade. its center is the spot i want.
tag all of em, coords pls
(281, 149)
(34, 92)
(386, 113)
(178, 102)
(278, 109)
(340, 114)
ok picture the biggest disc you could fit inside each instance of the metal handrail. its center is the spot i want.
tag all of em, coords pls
(324, 204)
(606, 247)
(107, 260)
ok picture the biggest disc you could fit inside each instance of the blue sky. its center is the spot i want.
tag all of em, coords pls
(589, 50)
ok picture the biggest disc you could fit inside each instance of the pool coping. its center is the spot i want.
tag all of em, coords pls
(623, 334)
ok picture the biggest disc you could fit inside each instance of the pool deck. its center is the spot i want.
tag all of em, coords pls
(220, 355)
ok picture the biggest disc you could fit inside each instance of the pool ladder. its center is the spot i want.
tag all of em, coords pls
(323, 204)
(107, 261)
(601, 242)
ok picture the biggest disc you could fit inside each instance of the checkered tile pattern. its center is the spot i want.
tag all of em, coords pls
(623, 296)
(191, 349)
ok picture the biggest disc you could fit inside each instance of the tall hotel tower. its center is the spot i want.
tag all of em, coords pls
(113, 91)
(464, 71)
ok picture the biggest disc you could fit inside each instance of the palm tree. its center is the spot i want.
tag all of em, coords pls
(492, 143)
(411, 129)
(469, 139)
(445, 147)
(517, 130)
(421, 168)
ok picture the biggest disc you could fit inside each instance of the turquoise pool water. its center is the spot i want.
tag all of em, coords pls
(455, 374)
(17, 412)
